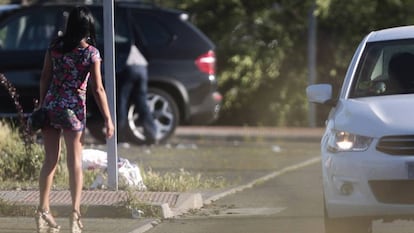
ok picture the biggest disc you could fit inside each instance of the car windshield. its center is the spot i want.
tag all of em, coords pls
(386, 68)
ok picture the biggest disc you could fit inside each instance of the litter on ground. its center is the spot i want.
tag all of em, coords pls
(129, 174)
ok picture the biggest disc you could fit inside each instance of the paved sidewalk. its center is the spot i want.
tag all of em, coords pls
(102, 207)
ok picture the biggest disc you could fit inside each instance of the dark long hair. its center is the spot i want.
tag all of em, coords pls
(80, 25)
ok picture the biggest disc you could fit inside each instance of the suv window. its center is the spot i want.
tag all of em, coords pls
(121, 26)
(122, 37)
(31, 31)
(153, 32)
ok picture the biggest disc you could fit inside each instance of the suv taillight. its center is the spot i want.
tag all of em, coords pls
(206, 63)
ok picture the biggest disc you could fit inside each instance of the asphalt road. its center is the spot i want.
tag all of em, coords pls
(290, 203)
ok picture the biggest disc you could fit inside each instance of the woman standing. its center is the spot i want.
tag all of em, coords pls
(70, 61)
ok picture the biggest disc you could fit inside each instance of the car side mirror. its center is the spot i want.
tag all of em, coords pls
(320, 93)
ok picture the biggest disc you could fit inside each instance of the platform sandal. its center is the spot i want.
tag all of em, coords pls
(45, 223)
(75, 222)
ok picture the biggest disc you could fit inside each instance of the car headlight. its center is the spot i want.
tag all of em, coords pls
(343, 141)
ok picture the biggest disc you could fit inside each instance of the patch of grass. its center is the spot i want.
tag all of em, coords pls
(18, 162)
(20, 168)
(181, 181)
(89, 177)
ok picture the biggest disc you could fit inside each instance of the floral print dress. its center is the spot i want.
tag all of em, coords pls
(65, 99)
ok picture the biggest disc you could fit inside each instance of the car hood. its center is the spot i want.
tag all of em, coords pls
(376, 116)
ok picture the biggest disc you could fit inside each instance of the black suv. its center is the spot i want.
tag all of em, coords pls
(182, 82)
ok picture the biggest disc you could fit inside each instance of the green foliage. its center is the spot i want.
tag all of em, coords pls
(255, 43)
(20, 164)
(262, 50)
(16, 162)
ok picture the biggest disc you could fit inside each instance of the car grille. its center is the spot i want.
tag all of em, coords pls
(397, 145)
(393, 191)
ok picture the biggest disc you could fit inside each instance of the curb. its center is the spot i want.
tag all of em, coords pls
(186, 202)
(229, 133)
(103, 204)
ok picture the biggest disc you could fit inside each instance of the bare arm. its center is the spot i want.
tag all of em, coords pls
(99, 94)
(45, 78)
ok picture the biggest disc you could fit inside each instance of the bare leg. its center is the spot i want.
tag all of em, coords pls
(44, 220)
(51, 138)
(73, 140)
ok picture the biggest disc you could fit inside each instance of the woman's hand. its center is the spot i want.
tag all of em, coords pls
(109, 128)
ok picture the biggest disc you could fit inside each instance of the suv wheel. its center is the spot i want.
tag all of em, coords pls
(346, 225)
(165, 113)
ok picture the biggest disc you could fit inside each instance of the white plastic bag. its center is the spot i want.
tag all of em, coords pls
(94, 159)
(129, 174)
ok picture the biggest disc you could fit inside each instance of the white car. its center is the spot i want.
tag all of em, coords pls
(368, 146)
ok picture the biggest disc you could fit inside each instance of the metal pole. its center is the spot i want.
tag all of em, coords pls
(312, 60)
(109, 71)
